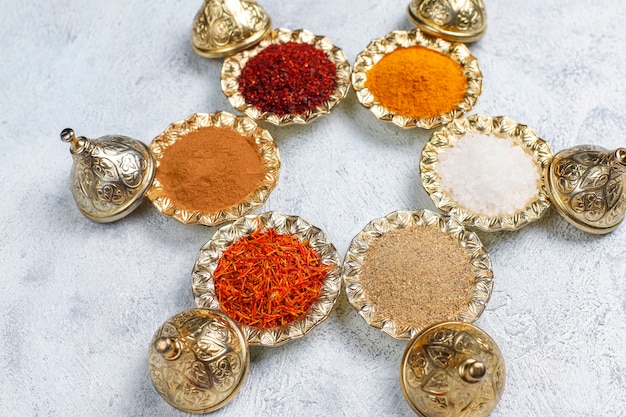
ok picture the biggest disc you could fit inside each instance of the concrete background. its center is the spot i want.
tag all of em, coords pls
(79, 301)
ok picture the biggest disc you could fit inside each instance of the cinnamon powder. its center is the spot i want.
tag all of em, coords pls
(416, 277)
(210, 169)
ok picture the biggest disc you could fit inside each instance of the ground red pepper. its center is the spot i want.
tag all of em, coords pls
(288, 78)
(268, 279)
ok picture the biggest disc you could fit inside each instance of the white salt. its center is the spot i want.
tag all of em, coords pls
(488, 175)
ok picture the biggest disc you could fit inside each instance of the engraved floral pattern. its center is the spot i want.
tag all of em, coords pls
(110, 175)
(212, 366)
(432, 382)
(459, 20)
(223, 26)
(587, 183)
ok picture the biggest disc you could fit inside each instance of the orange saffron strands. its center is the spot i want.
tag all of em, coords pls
(268, 279)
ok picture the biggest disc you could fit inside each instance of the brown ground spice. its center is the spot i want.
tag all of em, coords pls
(210, 169)
(417, 276)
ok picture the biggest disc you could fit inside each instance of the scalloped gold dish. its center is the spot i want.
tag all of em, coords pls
(233, 66)
(361, 293)
(259, 138)
(203, 283)
(379, 48)
(500, 127)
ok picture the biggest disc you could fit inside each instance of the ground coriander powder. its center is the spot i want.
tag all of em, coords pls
(417, 276)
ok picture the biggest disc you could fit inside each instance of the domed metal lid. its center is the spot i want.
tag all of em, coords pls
(225, 27)
(586, 185)
(452, 20)
(198, 360)
(109, 175)
(452, 369)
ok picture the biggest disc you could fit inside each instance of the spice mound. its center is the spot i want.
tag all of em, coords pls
(489, 175)
(210, 169)
(416, 276)
(288, 78)
(267, 279)
(417, 82)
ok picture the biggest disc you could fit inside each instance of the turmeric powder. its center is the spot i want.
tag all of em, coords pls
(417, 82)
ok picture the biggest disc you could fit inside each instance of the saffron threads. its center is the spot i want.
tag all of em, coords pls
(267, 279)
(288, 78)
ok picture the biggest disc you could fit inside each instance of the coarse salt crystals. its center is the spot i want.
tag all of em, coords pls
(488, 175)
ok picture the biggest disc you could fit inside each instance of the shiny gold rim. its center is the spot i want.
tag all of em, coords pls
(378, 48)
(240, 124)
(232, 67)
(501, 127)
(210, 254)
(468, 242)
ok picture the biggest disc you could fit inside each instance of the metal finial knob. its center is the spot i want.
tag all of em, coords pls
(453, 20)
(224, 27)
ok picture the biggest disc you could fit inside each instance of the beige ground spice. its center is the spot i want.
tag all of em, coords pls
(417, 276)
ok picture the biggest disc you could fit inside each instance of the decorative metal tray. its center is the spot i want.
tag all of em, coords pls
(467, 240)
(232, 67)
(211, 253)
(380, 47)
(240, 124)
(501, 127)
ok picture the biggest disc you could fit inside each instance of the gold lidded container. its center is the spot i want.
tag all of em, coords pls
(379, 48)
(225, 27)
(234, 65)
(198, 360)
(586, 185)
(453, 20)
(452, 369)
(467, 242)
(109, 175)
(210, 254)
(502, 127)
(244, 126)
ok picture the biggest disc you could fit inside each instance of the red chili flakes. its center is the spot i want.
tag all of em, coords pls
(268, 279)
(288, 78)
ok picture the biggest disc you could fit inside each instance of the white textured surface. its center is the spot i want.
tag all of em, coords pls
(80, 301)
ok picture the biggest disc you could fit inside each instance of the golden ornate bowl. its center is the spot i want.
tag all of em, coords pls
(204, 286)
(232, 67)
(244, 126)
(468, 241)
(380, 47)
(501, 127)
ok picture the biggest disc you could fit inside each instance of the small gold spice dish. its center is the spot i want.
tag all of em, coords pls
(410, 269)
(474, 169)
(277, 276)
(415, 80)
(281, 81)
(279, 76)
(483, 178)
(207, 169)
